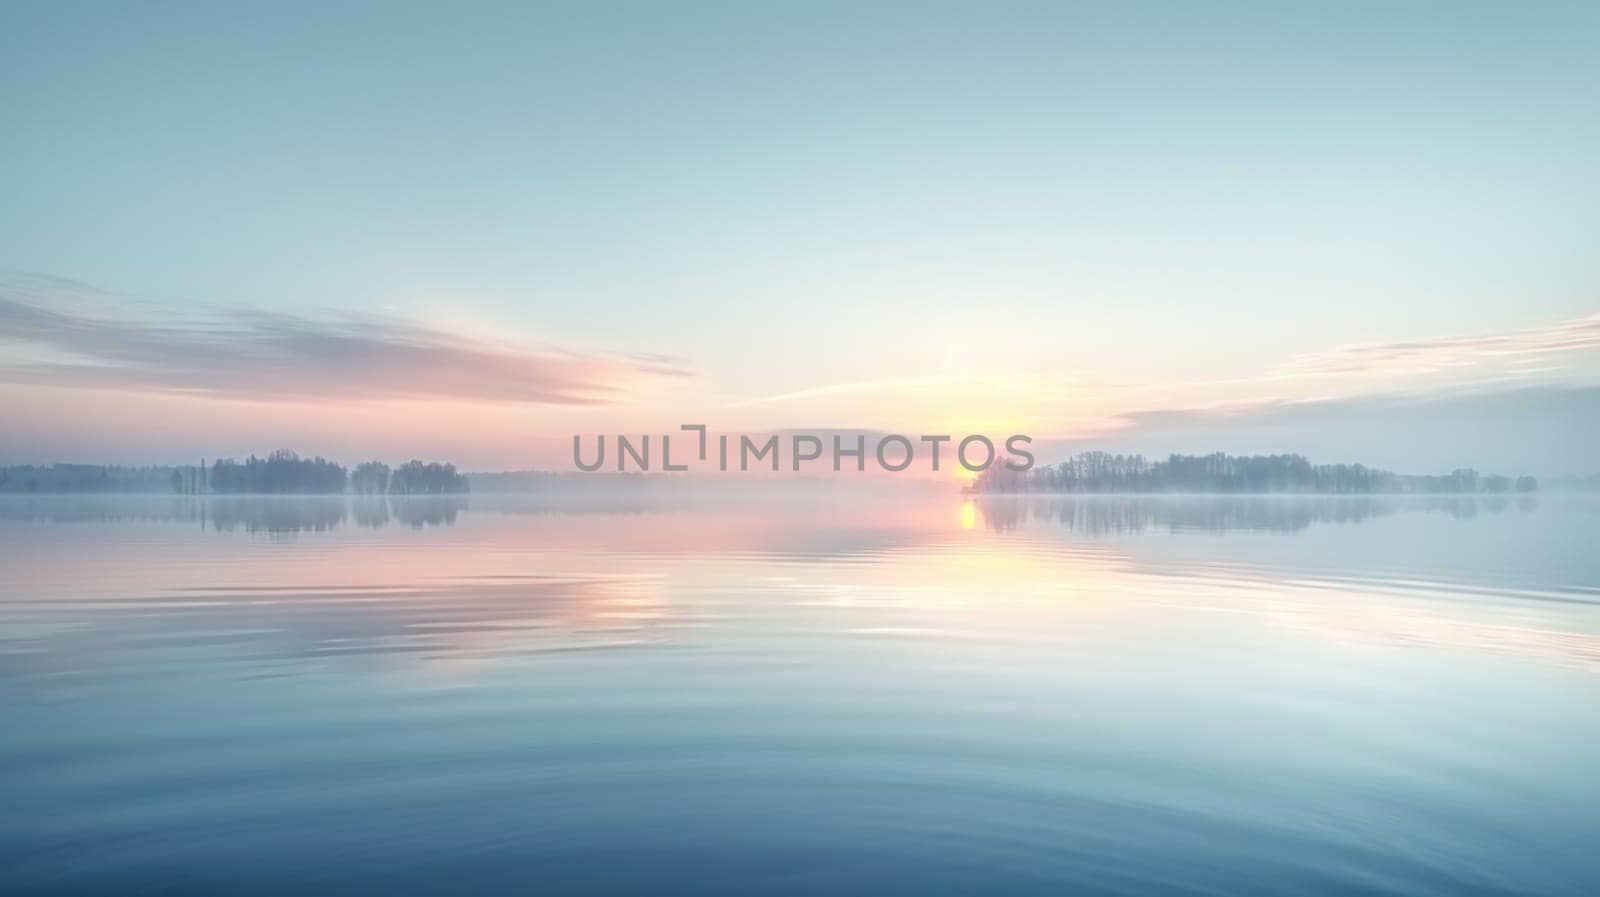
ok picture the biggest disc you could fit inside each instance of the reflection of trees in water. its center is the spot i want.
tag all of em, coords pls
(240, 513)
(271, 515)
(318, 515)
(370, 511)
(417, 512)
(1103, 515)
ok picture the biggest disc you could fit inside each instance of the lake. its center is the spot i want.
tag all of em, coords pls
(809, 692)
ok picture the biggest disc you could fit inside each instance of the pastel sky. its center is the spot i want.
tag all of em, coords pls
(470, 231)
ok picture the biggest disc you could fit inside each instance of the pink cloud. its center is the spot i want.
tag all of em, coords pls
(272, 356)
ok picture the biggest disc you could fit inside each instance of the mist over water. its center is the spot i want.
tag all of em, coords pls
(914, 694)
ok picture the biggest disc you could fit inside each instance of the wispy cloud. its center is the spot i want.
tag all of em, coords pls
(270, 355)
(1517, 347)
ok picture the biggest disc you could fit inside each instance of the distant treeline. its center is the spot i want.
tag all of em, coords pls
(85, 478)
(1569, 483)
(1092, 472)
(281, 473)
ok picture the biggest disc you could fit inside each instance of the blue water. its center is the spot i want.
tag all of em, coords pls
(830, 694)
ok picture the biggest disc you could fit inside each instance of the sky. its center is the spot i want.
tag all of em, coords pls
(473, 231)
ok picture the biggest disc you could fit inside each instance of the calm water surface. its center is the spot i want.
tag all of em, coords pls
(917, 695)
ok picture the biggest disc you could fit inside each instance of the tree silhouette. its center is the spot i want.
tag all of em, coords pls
(417, 478)
(282, 473)
(370, 478)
